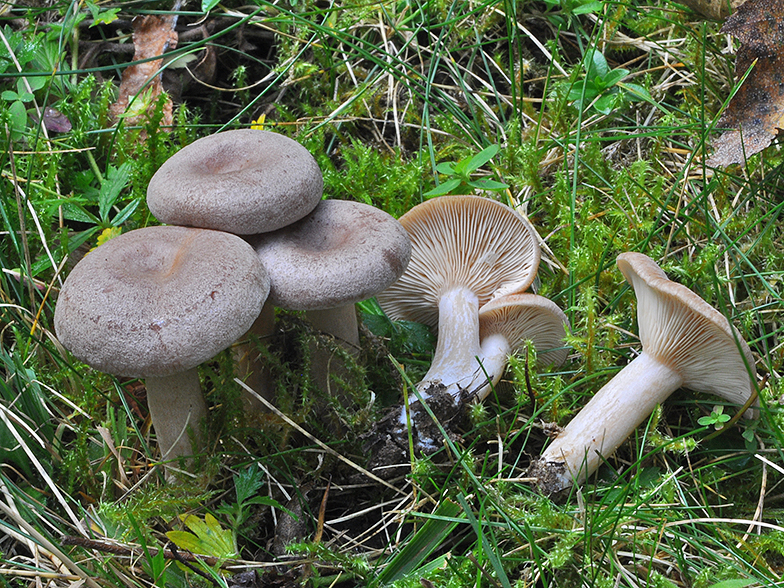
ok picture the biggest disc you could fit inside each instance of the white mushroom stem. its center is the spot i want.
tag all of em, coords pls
(608, 419)
(340, 322)
(496, 350)
(454, 362)
(177, 408)
(250, 368)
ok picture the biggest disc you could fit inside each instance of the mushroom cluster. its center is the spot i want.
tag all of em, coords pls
(472, 260)
(157, 302)
(321, 256)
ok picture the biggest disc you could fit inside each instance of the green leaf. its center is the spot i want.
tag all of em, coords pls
(9, 95)
(598, 66)
(115, 181)
(207, 5)
(34, 82)
(462, 167)
(247, 483)
(589, 8)
(488, 184)
(207, 538)
(576, 93)
(605, 104)
(126, 212)
(444, 188)
(445, 168)
(101, 16)
(733, 583)
(482, 157)
(75, 212)
(637, 92)
(17, 114)
(614, 77)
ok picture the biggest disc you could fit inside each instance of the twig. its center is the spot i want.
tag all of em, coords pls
(118, 549)
(181, 558)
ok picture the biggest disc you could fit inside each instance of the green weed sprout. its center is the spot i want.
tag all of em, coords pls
(246, 486)
(459, 174)
(602, 89)
(717, 418)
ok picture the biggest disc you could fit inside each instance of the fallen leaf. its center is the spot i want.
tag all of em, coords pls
(141, 82)
(756, 112)
(54, 120)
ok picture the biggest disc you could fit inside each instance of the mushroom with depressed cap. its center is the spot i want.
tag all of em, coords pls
(339, 254)
(244, 181)
(685, 343)
(156, 302)
(467, 250)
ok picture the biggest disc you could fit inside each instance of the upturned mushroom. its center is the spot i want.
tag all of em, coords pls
(466, 251)
(507, 322)
(685, 343)
(244, 181)
(339, 254)
(156, 302)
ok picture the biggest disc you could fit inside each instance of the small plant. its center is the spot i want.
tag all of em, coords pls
(459, 174)
(18, 100)
(246, 485)
(563, 13)
(602, 89)
(97, 205)
(717, 418)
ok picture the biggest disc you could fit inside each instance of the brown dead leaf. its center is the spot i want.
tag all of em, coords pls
(756, 113)
(141, 82)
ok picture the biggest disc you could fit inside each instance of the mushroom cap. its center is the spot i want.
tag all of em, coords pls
(467, 241)
(687, 334)
(160, 300)
(340, 253)
(245, 181)
(527, 317)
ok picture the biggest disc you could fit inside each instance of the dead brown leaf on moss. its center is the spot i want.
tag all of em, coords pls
(141, 82)
(756, 112)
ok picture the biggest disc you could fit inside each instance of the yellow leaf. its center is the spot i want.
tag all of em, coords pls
(106, 235)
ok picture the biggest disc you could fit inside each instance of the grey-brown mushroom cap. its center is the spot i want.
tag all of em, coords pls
(687, 334)
(160, 300)
(341, 253)
(467, 241)
(245, 181)
(527, 317)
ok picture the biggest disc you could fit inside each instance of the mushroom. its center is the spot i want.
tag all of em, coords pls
(339, 254)
(156, 302)
(244, 181)
(685, 343)
(505, 323)
(467, 250)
